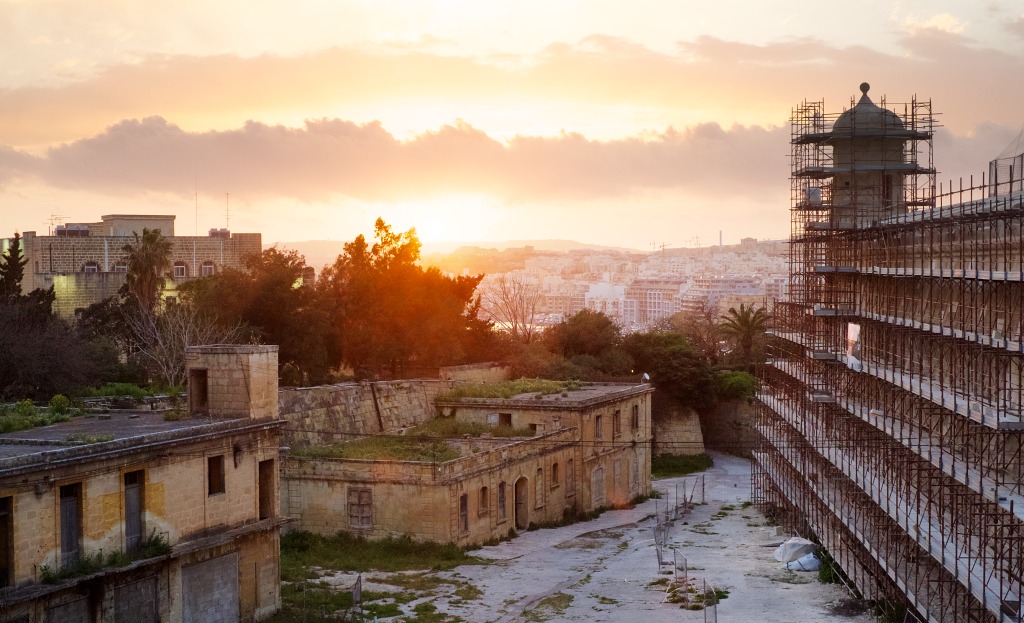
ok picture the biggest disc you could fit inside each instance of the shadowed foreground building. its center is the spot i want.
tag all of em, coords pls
(891, 405)
(177, 516)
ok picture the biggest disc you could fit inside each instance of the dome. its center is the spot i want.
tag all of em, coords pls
(866, 117)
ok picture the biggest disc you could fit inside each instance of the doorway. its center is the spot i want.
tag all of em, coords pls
(522, 492)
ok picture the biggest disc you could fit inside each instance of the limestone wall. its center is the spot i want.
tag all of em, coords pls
(425, 500)
(730, 428)
(488, 372)
(313, 413)
(677, 429)
(241, 380)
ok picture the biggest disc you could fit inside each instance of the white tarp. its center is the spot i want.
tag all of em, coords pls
(807, 562)
(793, 549)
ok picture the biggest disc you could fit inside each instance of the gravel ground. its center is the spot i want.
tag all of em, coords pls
(607, 569)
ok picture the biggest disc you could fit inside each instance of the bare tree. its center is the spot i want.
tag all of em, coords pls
(511, 300)
(161, 337)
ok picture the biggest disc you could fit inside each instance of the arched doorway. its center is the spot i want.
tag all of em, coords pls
(522, 493)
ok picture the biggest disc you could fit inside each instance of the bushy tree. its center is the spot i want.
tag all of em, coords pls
(675, 366)
(392, 313)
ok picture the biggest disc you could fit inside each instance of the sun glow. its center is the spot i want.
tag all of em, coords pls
(449, 218)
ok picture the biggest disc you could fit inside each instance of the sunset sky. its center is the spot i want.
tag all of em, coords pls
(608, 122)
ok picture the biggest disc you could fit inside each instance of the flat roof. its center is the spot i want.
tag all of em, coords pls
(88, 435)
(589, 394)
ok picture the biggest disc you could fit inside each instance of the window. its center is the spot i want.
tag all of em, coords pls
(464, 513)
(484, 502)
(554, 475)
(120, 267)
(70, 524)
(266, 489)
(570, 477)
(502, 507)
(6, 542)
(91, 267)
(134, 483)
(539, 488)
(215, 475)
(360, 508)
(597, 427)
(505, 419)
(617, 423)
(208, 269)
(198, 391)
(180, 270)
(636, 418)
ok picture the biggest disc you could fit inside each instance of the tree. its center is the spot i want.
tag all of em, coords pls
(700, 327)
(511, 300)
(589, 341)
(675, 366)
(12, 269)
(162, 338)
(743, 328)
(392, 313)
(149, 262)
(274, 304)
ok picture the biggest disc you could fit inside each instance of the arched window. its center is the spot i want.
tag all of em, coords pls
(90, 267)
(120, 267)
(554, 475)
(208, 269)
(502, 506)
(180, 270)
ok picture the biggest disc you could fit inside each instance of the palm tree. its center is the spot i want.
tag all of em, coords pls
(149, 261)
(743, 327)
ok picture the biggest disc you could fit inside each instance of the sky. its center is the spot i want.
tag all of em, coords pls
(632, 124)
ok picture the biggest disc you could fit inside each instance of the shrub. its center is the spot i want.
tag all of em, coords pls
(25, 408)
(59, 405)
(735, 385)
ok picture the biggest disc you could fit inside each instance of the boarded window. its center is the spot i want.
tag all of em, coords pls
(360, 508)
(554, 475)
(215, 475)
(464, 513)
(597, 427)
(485, 501)
(636, 418)
(505, 419)
(70, 524)
(6, 542)
(617, 423)
(134, 483)
(538, 491)
(570, 477)
(502, 504)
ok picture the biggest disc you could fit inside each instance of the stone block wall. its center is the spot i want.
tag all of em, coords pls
(241, 379)
(488, 372)
(313, 413)
(677, 429)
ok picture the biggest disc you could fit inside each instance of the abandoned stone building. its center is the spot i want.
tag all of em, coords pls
(135, 516)
(84, 262)
(586, 448)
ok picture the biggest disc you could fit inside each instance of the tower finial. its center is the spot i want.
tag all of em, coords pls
(864, 86)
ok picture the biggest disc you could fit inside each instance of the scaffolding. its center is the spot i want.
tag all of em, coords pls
(890, 409)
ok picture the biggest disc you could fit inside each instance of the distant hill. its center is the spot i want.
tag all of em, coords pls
(320, 253)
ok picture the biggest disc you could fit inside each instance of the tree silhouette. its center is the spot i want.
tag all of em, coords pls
(743, 327)
(12, 270)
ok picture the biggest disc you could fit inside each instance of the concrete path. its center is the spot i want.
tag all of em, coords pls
(607, 569)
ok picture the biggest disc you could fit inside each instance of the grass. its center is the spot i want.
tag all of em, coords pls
(447, 427)
(346, 552)
(550, 607)
(24, 415)
(85, 565)
(669, 465)
(508, 389)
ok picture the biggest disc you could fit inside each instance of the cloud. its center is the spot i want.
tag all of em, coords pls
(332, 158)
(608, 78)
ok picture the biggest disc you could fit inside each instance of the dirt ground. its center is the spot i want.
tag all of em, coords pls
(607, 569)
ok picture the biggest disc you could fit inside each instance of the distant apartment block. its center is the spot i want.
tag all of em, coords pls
(892, 405)
(84, 262)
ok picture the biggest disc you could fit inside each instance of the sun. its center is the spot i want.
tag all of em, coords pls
(448, 218)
